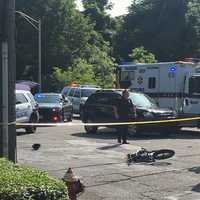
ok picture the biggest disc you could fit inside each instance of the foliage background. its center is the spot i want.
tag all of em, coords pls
(87, 45)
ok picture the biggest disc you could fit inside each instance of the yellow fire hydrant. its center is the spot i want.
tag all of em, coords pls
(74, 185)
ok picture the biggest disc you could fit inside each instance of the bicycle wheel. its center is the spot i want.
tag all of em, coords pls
(163, 154)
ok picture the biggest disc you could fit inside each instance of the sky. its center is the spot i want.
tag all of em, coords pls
(119, 7)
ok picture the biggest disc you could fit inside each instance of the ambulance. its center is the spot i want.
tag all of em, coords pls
(174, 85)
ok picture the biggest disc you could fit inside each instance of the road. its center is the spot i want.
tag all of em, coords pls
(100, 162)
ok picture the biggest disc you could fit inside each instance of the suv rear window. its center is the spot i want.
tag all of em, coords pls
(104, 98)
(87, 92)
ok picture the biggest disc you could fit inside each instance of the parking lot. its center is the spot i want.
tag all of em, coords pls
(100, 162)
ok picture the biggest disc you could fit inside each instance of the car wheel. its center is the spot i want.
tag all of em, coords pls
(31, 129)
(69, 118)
(63, 116)
(90, 129)
(81, 114)
(66, 117)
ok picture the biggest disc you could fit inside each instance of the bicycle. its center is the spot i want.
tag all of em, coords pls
(144, 155)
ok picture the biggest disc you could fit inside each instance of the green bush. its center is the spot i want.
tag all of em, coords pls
(24, 183)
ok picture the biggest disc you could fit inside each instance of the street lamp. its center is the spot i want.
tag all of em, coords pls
(37, 25)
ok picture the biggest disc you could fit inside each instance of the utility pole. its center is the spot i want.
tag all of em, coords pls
(37, 24)
(7, 79)
(40, 55)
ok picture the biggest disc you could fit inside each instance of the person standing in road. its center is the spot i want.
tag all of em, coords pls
(122, 113)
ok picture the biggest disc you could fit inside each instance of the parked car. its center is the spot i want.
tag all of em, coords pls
(99, 108)
(53, 107)
(26, 110)
(78, 95)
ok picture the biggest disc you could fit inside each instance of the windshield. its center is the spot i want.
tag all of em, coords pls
(43, 98)
(87, 92)
(141, 100)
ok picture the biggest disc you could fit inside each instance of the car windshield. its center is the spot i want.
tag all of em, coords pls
(87, 92)
(44, 98)
(141, 100)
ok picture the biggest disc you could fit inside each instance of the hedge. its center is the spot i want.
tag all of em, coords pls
(25, 183)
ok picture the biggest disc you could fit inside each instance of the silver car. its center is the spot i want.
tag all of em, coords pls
(78, 95)
(26, 110)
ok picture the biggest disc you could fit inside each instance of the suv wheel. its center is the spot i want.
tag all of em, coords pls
(90, 129)
(81, 113)
(69, 118)
(31, 129)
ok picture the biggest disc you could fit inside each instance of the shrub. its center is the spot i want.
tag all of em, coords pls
(25, 183)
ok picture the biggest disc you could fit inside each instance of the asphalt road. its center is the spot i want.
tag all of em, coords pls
(100, 162)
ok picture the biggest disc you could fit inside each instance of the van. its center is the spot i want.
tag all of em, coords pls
(78, 95)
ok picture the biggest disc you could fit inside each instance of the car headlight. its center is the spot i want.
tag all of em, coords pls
(148, 114)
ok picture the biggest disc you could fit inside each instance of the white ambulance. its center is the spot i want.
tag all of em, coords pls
(174, 85)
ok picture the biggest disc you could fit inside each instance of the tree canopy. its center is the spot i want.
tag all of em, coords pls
(86, 45)
(67, 36)
(141, 55)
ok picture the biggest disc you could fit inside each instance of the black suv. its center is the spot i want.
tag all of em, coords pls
(99, 108)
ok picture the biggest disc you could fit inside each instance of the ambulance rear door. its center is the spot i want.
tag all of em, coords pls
(191, 103)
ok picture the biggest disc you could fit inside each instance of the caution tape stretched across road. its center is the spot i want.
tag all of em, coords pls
(108, 124)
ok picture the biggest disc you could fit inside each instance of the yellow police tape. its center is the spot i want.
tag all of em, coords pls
(106, 124)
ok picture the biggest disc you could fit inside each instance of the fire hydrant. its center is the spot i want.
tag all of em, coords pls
(74, 185)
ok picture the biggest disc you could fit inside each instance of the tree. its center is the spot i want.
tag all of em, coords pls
(98, 69)
(65, 32)
(141, 55)
(81, 72)
(96, 11)
(68, 37)
(192, 40)
(157, 25)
